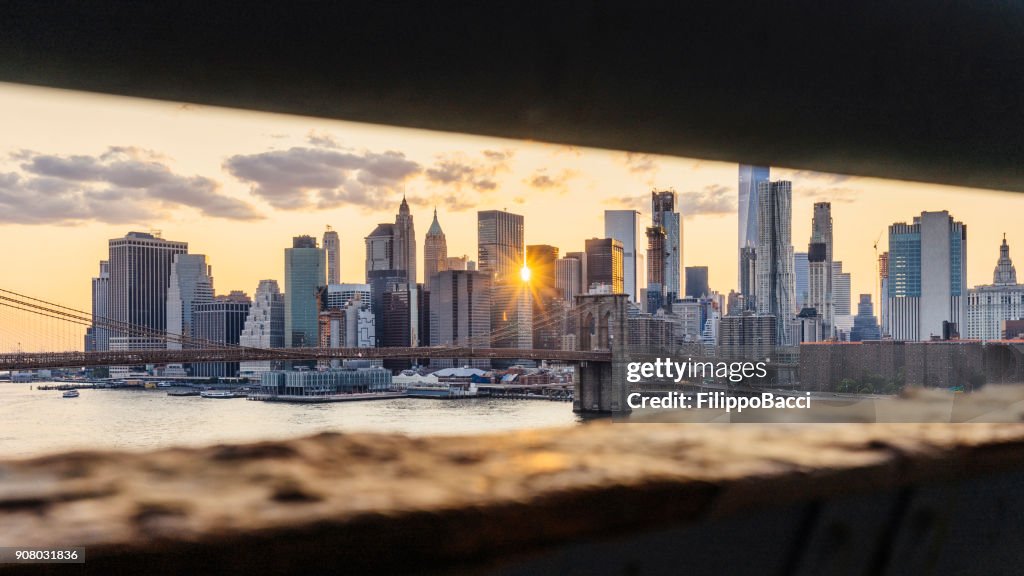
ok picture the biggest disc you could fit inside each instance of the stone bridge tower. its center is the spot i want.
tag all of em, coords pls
(601, 325)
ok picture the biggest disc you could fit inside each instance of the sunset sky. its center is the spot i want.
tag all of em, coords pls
(78, 169)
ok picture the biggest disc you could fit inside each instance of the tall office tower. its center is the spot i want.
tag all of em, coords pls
(604, 265)
(801, 280)
(511, 316)
(380, 249)
(774, 268)
(548, 302)
(624, 226)
(264, 326)
(582, 258)
(360, 325)
(927, 277)
(750, 177)
(140, 271)
(841, 295)
(500, 245)
(883, 291)
(748, 277)
(101, 309)
(990, 307)
(456, 263)
(399, 320)
(435, 251)
(332, 246)
(304, 274)
(655, 271)
(865, 326)
(664, 206)
(697, 282)
(404, 253)
(820, 268)
(220, 322)
(393, 246)
(460, 314)
(567, 279)
(190, 285)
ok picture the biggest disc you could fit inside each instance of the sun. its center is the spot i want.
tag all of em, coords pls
(524, 274)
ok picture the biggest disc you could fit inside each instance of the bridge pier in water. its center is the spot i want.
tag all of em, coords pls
(601, 387)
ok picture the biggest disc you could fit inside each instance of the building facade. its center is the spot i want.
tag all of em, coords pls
(865, 325)
(460, 313)
(604, 264)
(624, 226)
(697, 282)
(665, 215)
(991, 306)
(332, 249)
(774, 268)
(820, 270)
(264, 326)
(191, 284)
(750, 178)
(435, 251)
(99, 337)
(220, 323)
(140, 271)
(500, 245)
(927, 277)
(567, 278)
(304, 274)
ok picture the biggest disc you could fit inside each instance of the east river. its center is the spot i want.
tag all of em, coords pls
(42, 421)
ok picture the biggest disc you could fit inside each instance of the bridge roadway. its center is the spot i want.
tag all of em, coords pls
(37, 360)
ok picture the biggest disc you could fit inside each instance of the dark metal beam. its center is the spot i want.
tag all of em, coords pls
(915, 90)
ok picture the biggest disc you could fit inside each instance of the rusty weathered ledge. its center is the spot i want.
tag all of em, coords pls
(389, 503)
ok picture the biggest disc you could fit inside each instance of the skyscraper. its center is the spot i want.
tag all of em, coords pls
(548, 304)
(883, 291)
(304, 274)
(190, 285)
(820, 270)
(865, 326)
(604, 264)
(500, 245)
(220, 322)
(332, 246)
(774, 269)
(100, 335)
(748, 277)
(841, 291)
(140, 271)
(664, 214)
(435, 251)
(567, 278)
(927, 277)
(393, 246)
(404, 247)
(990, 307)
(624, 226)
(264, 326)
(801, 280)
(697, 282)
(750, 178)
(460, 313)
(581, 257)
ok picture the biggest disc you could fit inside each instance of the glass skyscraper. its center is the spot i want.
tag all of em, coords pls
(624, 226)
(774, 267)
(304, 273)
(665, 215)
(749, 179)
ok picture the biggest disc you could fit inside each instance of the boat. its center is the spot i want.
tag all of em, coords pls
(217, 394)
(164, 384)
(185, 392)
(71, 394)
(442, 390)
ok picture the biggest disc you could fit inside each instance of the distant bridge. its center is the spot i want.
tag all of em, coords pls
(31, 361)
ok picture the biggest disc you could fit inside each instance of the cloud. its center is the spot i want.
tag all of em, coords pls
(302, 178)
(542, 180)
(124, 184)
(322, 140)
(457, 180)
(840, 195)
(798, 176)
(714, 199)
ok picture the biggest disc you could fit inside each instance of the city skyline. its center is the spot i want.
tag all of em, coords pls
(209, 186)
